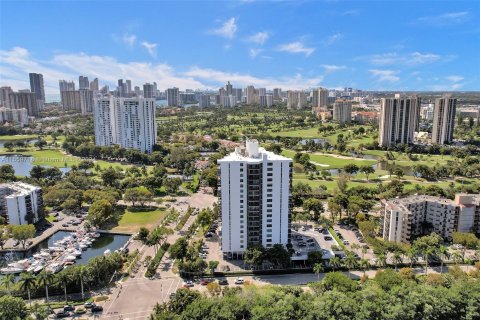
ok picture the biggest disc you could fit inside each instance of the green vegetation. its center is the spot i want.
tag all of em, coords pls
(131, 220)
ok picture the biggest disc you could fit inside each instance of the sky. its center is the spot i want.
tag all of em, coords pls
(369, 45)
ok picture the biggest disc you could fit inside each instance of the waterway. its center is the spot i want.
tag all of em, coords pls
(23, 164)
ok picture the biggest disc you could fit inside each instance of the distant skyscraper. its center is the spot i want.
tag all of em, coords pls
(342, 111)
(137, 91)
(86, 100)
(204, 101)
(4, 96)
(120, 88)
(155, 89)
(148, 90)
(70, 100)
(128, 88)
(251, 95)
(229, 88)
(128, 122)
(24, 100)
(398, 120)
(237, 92)
(36, 86)
(173, 97)
(66, 85)
(15, 116)
(320, 98)
(277, 94)
(83, 82)
(94, 85)
(443, 119)
(296, 99)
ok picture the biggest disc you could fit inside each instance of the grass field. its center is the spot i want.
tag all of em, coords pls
(18, 137)
(131, 221)
(329, 161)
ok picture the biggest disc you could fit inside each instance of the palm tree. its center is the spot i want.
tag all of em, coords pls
(397, 258)
(381, 259)
(81, 274)
(364, 264)
(364, 250)
(412, 256)
(318, 268)
(64, 279)
(45, 278)
(335, 262)
(443, 254)
(27, 283)
(8, 280)
(457, 257)
(355, 247)
(426, 253)
(350, 262)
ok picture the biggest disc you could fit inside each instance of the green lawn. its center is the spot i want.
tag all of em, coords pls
(19, 137)
(131, 221)
(330, 162)
(303, 133)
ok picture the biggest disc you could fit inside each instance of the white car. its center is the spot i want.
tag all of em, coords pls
(239, 281)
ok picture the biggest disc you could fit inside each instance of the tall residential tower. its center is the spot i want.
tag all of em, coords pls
(443, 120)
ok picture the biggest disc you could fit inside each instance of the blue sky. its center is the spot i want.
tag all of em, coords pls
(377, 45)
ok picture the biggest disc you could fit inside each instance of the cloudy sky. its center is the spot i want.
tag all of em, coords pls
(378, 45)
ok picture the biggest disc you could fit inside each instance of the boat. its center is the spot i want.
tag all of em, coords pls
(55, 267)
(107, 252)
(69, 258)
(9, 270)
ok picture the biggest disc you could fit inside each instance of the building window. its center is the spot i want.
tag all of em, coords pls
(269, 215)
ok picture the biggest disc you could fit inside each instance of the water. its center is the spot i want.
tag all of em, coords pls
(102, 243)
(23, 164)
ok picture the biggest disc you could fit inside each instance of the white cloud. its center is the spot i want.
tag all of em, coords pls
(444, 19)
(259, 37)
(127, 39)
(15, 64)
(352, 12)
(454, 78)
(410, 59)
(332, 68)
(333, 38)
(151, 48)
(296, 47)
(216, 76)
(227, 30)
(385, 75)
(254, 52)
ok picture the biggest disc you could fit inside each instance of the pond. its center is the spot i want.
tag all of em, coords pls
(23, 164)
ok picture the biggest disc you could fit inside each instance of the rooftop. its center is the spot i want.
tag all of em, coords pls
(251, 152)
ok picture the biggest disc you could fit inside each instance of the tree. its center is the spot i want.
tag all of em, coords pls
(100, 212)
(110, 177)
(381, 259)
(143, 234)
(40, 144)
(8, 280)
(4, 235)
(212, 265)
(178, 250)
(23, 232)
(318, 268)
(278, 255)
(172, 185)
(388, 279)
(397, 258)
(254, 255)
(7, 173)
(214, 289)
(64, 278)
(367, 170)
(351, 168)
(364, 264)
(45, 278)
(12, 308)
(350, 261)
(315, 206)
(466, 240)
(443, 255)
(335, 262)
(27, 283)
(81, 274)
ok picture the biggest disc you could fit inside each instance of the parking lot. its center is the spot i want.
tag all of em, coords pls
(351, 235)
(305, 240)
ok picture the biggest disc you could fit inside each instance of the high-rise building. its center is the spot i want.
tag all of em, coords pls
(237, 92)
(155, 89)
(137, 90)
(15, 116)
(320, 98)
(296, 99)
(83, 82)
(128, 88)
(255, 198)
(66, 85)
(277, 94)
(24, 100)
(148, 90)
(408, 218)
(37, 87)
(251, 95)
(70, 100)
(229, 88)
(266, 100)
(426, 112)
(128, 122)
(21, 203)
(398, 120)
(94, 85)
(204, 101)
(172, 97)
(120, 88)
(5, 96)
(342, 111)
(443, 120)
(86, 100)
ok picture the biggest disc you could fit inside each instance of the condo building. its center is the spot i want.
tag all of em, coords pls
(320, 98)
(254, 198)
(411, 217)
(296, 99)
(128, 122)
(173, 97)
(443, 120)
(21, 203)
(398, 120)
(342, 111)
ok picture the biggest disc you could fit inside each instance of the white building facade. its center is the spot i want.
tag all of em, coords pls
(21, 203)
(407, 218)
(255, 198)
(342, 111)
(128, 122)
(443, 120)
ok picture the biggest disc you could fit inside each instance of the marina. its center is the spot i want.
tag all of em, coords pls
(63, 249)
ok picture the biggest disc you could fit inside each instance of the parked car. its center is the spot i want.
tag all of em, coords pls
(171, 295)
(223, 282)
(68, 307)
(327, 238)
(310, 240)
(346, 242)
(97, 309)
(204, 282)
(239, 281)
(89, 305)
(188, 284)
(311, 244)
(62, 314)
(302, 244)
(65, 225)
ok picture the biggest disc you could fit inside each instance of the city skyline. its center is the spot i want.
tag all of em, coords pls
(266, 44)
